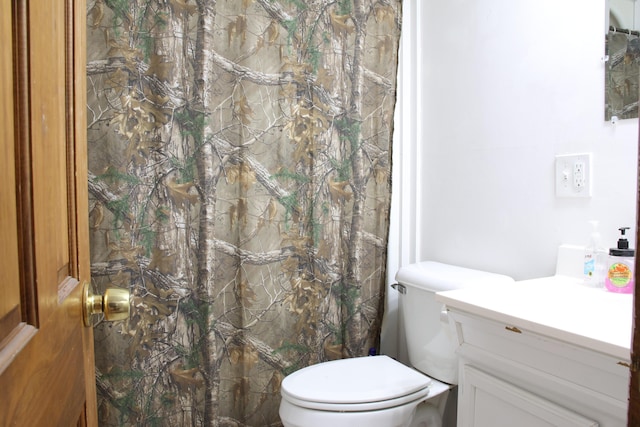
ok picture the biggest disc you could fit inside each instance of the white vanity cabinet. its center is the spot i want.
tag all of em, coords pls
(523, 363)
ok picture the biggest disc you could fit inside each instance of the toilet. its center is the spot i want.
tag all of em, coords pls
(378, 390)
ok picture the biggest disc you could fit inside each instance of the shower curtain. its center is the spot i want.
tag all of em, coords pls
(239, 156)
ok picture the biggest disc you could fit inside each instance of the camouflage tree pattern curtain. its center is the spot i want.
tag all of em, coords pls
(239, 156)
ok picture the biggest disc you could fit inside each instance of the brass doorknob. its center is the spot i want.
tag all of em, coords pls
(114, 304)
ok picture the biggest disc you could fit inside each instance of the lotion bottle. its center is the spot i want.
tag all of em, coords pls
(619, 276)
(593, 254)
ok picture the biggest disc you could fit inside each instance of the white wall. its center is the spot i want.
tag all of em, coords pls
(490, 92)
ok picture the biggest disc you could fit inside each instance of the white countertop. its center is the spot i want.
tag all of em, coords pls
(559, 307)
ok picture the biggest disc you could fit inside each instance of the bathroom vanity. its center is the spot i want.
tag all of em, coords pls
(542, 352)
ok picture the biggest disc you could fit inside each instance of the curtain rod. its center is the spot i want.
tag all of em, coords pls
(624, 31)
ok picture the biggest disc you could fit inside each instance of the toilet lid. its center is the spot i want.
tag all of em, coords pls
(354, 381)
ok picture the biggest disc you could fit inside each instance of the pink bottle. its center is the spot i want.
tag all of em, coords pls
(619, 276)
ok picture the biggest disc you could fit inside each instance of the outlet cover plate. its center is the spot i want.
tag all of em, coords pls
(574, 175)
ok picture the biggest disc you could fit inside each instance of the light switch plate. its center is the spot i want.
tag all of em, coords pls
(574, 175)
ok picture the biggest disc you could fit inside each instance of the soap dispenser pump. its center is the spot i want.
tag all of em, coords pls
(619, 277)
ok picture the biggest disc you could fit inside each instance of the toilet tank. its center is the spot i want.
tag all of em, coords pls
(431, 341)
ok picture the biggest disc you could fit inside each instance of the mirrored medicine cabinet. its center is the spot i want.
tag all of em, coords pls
(622, 58)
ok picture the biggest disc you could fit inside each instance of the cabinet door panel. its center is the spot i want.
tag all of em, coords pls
(486, 401)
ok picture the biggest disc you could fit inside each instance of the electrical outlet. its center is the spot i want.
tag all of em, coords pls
(573, 175)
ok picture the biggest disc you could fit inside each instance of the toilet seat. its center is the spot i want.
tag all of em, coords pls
(357, 384)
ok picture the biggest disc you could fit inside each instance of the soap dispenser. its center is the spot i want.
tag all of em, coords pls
(594, 259)
(619, 276)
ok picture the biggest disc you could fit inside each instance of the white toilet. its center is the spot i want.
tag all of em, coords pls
(377, 390)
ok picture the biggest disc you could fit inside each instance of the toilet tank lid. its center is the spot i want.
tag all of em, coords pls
(437, 277)
(354, 381)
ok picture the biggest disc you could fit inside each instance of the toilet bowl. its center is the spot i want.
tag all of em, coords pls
(374, 391)
(377, 390)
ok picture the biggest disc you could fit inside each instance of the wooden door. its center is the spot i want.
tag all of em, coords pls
(633, 413)
(46, 355)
